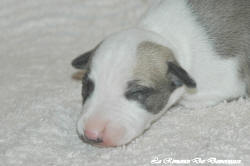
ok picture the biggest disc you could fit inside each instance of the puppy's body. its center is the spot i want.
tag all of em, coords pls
(228, 29)
(208, 43)
(193, 52)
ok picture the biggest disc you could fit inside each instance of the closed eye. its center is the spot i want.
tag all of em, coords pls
(138, 92)
(141, 90)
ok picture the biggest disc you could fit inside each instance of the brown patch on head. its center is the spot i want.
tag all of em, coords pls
(151, 62)
(156, 76)
(152, 85)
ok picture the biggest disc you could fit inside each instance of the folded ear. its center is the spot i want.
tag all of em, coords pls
(180, 76)
(82, 61)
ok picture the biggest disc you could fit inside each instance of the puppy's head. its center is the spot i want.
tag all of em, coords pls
(131, 78)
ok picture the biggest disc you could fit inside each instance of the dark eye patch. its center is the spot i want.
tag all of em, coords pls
(87, 87)
(151, 99)
(139, 93)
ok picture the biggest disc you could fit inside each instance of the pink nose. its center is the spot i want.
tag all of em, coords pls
(91, 135)
(103, 133)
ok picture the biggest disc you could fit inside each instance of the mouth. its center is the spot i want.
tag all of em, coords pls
(90, 141)
(98, 142)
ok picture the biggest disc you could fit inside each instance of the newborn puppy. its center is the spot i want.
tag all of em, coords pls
(189, 52)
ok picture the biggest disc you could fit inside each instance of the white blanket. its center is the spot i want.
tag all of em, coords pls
(40, 102)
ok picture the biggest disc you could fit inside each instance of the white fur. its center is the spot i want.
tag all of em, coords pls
(117, 60)
(170, 23)
(194, 51)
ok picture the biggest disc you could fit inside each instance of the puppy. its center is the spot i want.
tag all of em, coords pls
(195, 53)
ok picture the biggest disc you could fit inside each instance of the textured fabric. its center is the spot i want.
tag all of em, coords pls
(40, 102)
